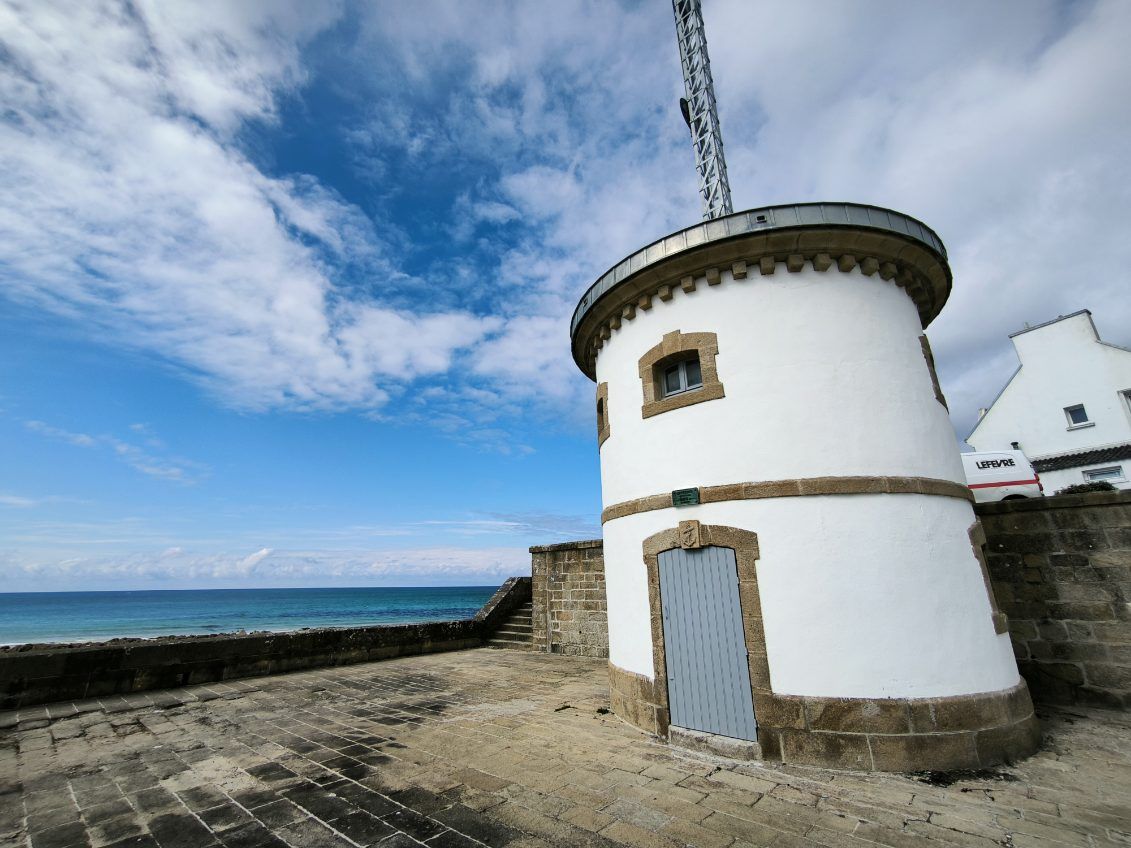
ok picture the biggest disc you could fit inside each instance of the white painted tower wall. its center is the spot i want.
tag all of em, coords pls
(863, 595)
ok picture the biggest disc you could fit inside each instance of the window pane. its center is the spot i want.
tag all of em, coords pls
(1077, 415)
(1114, 473)
(694, 375)
(671, 380)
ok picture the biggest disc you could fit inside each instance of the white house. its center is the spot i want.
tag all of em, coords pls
(1067, 406)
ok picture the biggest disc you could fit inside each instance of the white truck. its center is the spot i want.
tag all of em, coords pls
(1001, 476)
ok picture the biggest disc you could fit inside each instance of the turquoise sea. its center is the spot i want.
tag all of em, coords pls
(94, 616)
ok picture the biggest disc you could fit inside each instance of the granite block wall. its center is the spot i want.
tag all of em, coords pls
(1061, 572)
(570, 615)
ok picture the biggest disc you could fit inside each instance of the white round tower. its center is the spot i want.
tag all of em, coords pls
(791, 554)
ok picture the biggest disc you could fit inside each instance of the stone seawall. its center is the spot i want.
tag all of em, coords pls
(1061, 572)
(43, 673)
(570, 615)
(36, 674)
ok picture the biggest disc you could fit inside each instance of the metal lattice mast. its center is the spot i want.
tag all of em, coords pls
(699, 109)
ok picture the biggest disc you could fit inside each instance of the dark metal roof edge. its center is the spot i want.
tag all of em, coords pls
(1056, 320)
(1114, 345)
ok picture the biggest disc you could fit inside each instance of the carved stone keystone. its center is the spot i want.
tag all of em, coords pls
(689, 535)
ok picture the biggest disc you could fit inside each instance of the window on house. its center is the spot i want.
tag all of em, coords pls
(1077, 415)
(682, 376)
(1113, 473)
(1126, 393)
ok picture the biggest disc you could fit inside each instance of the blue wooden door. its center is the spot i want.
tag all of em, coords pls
(704, 646)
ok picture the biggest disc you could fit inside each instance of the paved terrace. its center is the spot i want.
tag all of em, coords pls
(498, 748)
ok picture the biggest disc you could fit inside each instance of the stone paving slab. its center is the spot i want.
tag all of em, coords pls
(488, 747)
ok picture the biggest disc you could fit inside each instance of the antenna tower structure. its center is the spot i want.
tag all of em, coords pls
(699, 109)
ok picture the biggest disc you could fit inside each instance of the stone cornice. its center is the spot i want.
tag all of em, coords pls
(797, 488)
(911, 260)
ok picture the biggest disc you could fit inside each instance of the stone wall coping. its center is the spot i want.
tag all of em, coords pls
(514, 592)
(567, 546)
(1087, 499)
(138, 645)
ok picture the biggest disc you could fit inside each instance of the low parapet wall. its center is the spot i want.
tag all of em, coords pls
(1061, 572)
(570, 614)
(36, 674)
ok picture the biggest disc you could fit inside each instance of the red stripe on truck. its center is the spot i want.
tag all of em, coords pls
(999, 485)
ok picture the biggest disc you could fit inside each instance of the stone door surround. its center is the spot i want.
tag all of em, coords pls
(881, 734)
(691, 535)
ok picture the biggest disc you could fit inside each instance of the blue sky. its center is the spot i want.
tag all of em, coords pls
(285, 287)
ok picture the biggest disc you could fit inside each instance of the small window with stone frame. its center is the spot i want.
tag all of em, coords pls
(680, 371)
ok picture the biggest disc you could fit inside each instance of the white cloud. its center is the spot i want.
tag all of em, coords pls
(129, 206)
(177, 567)
(1002, 126)
(250, 561)
(227, 62)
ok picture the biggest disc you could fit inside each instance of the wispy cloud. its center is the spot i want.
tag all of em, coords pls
(81, 440)
(140, 459)
(18, 502)
(532, 524)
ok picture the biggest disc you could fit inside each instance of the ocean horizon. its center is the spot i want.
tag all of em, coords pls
(95, 616)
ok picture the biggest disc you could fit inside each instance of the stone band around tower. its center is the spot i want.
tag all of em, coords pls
(797, 488)
(823, 235)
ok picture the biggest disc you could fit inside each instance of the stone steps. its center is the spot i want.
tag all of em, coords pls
(516, 632)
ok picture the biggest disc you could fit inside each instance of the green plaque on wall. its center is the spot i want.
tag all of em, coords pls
(685, 497)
